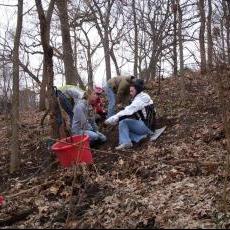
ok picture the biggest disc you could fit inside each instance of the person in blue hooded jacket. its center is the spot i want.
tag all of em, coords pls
(84, 119)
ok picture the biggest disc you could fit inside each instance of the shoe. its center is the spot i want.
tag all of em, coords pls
(157, 133)
(124, 146)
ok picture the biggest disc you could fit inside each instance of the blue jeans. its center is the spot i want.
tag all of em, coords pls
(131, 130)
(111, 96)
(94, 136)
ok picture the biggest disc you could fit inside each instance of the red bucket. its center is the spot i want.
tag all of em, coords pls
(73, 150)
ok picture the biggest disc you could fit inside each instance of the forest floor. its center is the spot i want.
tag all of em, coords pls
(175, 182)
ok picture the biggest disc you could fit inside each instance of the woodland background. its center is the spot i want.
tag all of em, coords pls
(182, 51)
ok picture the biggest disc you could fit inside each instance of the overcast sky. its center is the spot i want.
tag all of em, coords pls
(8, 19)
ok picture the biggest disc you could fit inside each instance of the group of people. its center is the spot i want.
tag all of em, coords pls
(128, 107)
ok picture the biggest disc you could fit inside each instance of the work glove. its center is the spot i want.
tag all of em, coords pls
(112, 120)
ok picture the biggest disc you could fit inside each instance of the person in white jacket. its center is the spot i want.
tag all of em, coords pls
(137, 119)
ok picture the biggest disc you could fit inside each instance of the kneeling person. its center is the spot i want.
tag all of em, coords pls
(84, 120)
(137, 119)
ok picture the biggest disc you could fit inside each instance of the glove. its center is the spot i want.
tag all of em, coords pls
(119, 106)
(112, 120)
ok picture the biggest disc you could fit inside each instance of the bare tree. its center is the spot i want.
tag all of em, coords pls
(156, 24)
(180, 36)
(14, 159)
(209, 35)
(201, 6)
(43, 94)
(175, 12)
(48, 70)
(89, 54)
(102, 23)
(226, 19)
(135, 38)
(71, 74)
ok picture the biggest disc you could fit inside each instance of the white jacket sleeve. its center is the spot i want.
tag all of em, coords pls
(139, 102)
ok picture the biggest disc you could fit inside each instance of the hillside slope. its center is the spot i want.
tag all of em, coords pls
(175, 182)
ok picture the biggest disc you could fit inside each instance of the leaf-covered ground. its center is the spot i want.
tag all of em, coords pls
(175, 182)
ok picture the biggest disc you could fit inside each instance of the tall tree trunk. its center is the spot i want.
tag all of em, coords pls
(209, 35)
(48, 68)
(14, 160)
(222, 40)
(103, 30)
(72, 77)
(175, 37)
(201, 6)
(152, 69)
(227, 26)
(107, 53)
(75, 48)
(135, 39)
(180, 38)
(90, 68)
(112, 55)
(43, 94)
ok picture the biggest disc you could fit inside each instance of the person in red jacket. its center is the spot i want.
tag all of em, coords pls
(98, 104)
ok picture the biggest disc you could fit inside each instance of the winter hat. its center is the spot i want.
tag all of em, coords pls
(138, 85)
(98, 90)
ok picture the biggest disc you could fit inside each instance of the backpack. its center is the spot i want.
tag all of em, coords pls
(148, 115)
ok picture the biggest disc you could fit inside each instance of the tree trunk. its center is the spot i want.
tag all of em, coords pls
(107, 54)
(135, 39)
(48, 70)
(14, 159)
(152, 69)
(112, 55)
(222, 40)
(201, 37)
(174, 38)
(90, 68)
(103, 30)
(71, 76)
(43, 94)
(180, 38)
(227, 26)
(209, 36)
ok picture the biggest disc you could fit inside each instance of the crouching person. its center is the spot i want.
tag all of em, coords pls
(137, 119)
(84, 120)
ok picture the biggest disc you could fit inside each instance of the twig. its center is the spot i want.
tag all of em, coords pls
(184, 161)
(40, 170)
(27, 190)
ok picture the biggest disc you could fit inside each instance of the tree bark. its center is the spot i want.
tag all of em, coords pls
(209, 36)
(227, 26)
(48, 70)
(112, 55)
(135, 39)
(72, 77)
(180, 39)
(43, 92)
(175, 11)
(14, 159)
(107, 53)
(180, 36)
(103, 30)
(202, 37)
